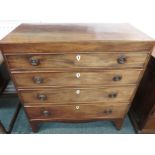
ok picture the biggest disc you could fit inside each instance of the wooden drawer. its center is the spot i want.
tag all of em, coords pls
(75, 112)
(46, 79)
(77, 95)
(82, 60)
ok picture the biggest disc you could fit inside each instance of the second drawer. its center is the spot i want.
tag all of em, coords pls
(45, 79)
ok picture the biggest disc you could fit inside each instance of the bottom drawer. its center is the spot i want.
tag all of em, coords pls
(76, 112)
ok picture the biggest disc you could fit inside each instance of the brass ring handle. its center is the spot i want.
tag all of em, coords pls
(122, 59)
(107, 111)
(117, 78)
(41, 97)
(45, 113)
(34, 61)
(112, 95)
(37, 79)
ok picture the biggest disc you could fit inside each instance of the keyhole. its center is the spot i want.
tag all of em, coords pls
(77, 91)
(77, 75)
(77, 107)
(78, 57)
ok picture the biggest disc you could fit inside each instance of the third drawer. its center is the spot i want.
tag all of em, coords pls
(77, 95)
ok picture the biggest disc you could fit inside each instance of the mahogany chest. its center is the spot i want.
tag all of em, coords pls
(76, 72)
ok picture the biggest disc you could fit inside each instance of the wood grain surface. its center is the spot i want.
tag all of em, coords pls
(31, 33)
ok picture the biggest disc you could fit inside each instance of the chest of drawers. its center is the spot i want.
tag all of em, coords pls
(76, 72)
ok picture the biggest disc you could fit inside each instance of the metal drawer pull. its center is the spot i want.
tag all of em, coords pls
(41, 97)
(34, 62)
(38, 79)
(78, 75)
(78, 57)
(107, 111)
(112, 95)
(117, 78)
(122, 59)
(77, 107)
(77, 91)
(45, 113)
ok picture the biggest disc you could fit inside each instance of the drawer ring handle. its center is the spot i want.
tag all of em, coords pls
(107, 111)
(34, 61)
(112, 95)
(46, 113)
(122, 59)
(37, 79)
(41, 97)
(117, 78)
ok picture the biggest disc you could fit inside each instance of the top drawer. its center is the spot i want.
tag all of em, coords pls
(77, 60)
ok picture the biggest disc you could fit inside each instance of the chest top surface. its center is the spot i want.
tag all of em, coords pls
(51, 33)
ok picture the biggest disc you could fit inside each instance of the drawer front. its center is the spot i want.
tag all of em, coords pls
(109, 77)
(104, 60)
(75, 112)
(77, 95)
